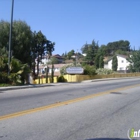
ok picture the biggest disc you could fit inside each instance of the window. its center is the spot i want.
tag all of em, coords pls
(122, 61)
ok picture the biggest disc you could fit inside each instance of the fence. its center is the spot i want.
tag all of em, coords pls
(43, 80)
(79, 78)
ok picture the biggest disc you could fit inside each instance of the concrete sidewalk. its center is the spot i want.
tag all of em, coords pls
(58, 84)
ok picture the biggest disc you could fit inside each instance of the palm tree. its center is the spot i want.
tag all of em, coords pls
(19, 71)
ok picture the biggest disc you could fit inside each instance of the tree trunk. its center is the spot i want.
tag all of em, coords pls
(46, 74)
(37, 65)
(52, 73)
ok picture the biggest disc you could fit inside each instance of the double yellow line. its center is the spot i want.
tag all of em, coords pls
(21, 113)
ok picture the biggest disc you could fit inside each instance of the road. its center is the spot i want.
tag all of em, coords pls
(103, 110)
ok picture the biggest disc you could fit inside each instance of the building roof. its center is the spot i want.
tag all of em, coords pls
(120, 55)
(55, 65)
(57, 56)
(124, 56)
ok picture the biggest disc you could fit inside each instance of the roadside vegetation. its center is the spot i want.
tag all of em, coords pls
(29, 47)
(94, 60)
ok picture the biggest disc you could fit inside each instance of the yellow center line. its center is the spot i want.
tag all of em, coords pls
(21, 113)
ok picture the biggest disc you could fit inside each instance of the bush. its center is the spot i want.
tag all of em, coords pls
(102, 71)
(18, 71)
(61, 79)
(14, 78)
(4, 77)
(89, 70)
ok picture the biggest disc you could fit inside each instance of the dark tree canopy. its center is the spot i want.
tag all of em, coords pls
(84, 49)
(40, 46)
(101, 62)
(21, 39)
(134, 60)
(70, 54)
(90, 50)
(26, 45)
(121, 47)
(114, 63)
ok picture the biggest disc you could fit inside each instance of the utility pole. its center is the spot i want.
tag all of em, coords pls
(10, 38)
(76, 58)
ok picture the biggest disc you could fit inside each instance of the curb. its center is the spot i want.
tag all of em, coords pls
(107, 79)
(29, 86)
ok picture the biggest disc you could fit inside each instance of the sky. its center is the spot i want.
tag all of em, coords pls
(72, 23)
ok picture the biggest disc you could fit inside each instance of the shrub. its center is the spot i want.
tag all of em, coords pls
(61, 79)
(12, 79)
(102, 71)
(4, 77)
(89, 70)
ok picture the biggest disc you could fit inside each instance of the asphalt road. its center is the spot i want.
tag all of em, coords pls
(104, 117)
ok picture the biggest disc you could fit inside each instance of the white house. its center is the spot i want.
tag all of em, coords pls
(57, 68)
(122, 63)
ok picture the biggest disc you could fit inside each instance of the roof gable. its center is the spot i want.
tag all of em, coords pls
(123, 56)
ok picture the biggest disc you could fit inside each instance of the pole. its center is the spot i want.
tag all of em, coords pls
(10, 38)
(76, 58)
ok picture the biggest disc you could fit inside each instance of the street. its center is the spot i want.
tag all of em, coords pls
(103, 110)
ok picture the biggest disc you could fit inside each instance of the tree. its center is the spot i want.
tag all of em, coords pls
(50, 48)
(96, 62)
(64, 55)
(114, 63)
(122, 45)
(105, 50)
(3, 52)
(121, 52)
(3, 59)
(101, 62)
(134, 60)
(21, 39)
(54, 61)
(19, 72)
(70, 54)
(116, 47)
(4, 34)
(3, 64)
(52, 73)
(39, 47)
(26, 45)
(91, 51)
(17, 68)
(84, 49)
